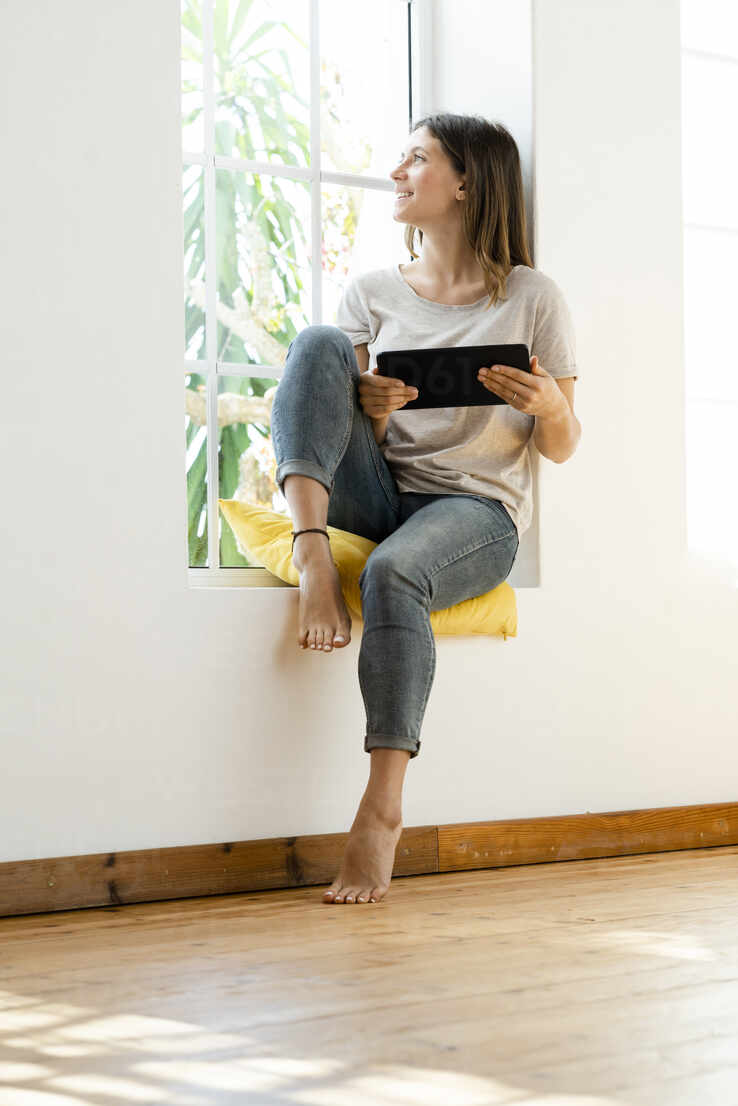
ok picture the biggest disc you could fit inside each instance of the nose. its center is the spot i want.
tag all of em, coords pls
(395, 172)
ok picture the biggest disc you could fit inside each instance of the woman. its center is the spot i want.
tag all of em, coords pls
(445, 492)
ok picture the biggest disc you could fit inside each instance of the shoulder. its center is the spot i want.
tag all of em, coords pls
(535, 281)
(372, 281)
(543, 294)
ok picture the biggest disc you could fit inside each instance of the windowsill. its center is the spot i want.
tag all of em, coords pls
(254, 578)
(235, 578)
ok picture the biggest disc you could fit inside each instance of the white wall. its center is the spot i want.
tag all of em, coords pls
(137, 712)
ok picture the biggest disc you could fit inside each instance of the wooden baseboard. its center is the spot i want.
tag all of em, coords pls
(187, 871)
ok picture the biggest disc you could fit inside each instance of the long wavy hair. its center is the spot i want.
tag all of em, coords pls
(494, 211)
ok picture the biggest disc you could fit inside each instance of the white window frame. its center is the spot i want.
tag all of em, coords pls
(420, 41)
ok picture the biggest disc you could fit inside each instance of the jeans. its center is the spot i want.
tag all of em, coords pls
(433, 550)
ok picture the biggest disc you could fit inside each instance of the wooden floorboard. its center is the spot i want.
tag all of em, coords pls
(603, 982)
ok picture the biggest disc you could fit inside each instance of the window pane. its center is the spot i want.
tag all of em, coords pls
(359, 233)
(193, 185)
(262, 80)
(710, 25)
(263, 265)
(196, 442)
(364, 89)
(246, 463)
(712, 461)
(709, 155)
(711, 359)
(192, 83)
(263, 249)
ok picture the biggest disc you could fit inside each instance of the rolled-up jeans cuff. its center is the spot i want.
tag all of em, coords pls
(391, 741)
(302, 468)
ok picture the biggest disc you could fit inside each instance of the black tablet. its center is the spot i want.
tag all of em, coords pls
(448, 377)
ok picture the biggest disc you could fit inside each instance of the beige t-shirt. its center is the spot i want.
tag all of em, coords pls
(482, 450)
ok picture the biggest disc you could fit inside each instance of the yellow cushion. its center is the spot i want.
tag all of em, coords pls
(265, 538)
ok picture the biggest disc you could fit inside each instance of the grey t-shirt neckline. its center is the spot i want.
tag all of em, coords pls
(434, 303)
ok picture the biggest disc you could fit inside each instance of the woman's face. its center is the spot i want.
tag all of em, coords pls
(424, 170)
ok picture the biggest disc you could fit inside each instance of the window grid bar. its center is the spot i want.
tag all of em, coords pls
(293, 172)
(710, 55)
(421, 55)
(316, 267)
(717, 227)
(211, 283)
(409, 65)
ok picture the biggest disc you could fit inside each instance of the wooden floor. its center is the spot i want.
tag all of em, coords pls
(584, 983)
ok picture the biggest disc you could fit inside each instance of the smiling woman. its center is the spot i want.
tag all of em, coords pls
(445, 492)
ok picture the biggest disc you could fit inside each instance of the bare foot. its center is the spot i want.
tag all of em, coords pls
(368, 859)
(323, 620)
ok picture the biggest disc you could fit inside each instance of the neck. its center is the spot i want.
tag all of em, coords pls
(447, 261)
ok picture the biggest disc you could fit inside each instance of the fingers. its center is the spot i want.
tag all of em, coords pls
(381, 411)
(383, 384)
(383, 395)
(398, 390)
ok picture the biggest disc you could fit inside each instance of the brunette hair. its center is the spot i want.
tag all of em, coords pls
(494, 212)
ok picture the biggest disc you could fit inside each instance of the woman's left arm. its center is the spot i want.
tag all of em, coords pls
(557, 438)
(550, 399)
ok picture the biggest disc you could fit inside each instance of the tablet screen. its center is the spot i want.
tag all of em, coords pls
(447, 377)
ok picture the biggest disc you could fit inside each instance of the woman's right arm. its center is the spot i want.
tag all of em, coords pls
(379, 425)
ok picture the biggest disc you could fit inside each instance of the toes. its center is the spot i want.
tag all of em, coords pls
(321, 639)
(331, 642)
(336, 893)
(317, 639)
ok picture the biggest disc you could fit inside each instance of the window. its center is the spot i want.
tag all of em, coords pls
(709, 32)
(292, 118)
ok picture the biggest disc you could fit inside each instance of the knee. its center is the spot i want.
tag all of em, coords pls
(388, 570)
(323, 334)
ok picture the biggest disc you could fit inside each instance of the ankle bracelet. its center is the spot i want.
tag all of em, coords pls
(310, 530)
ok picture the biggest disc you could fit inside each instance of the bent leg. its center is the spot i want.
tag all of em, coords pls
(448, 550)
(320, 429)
